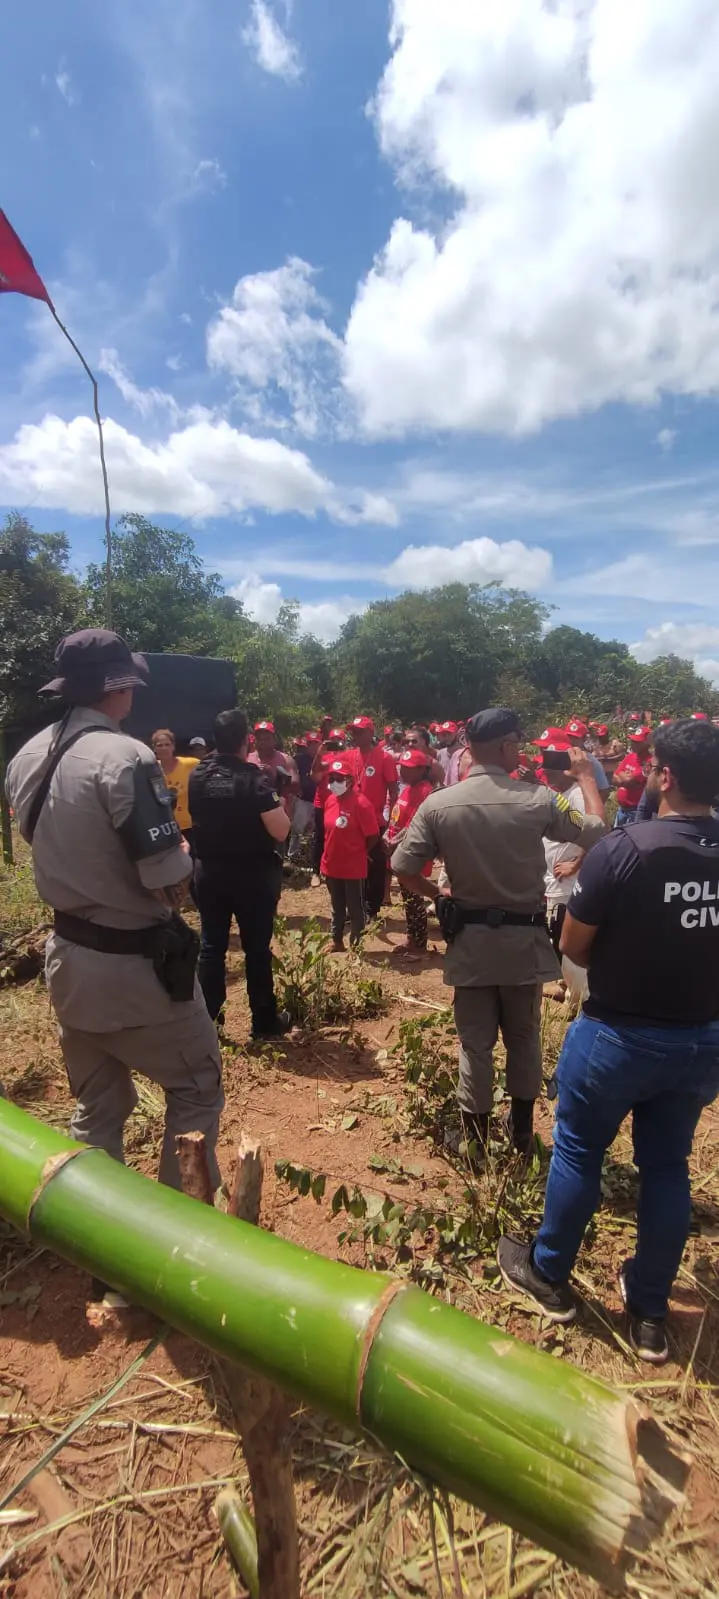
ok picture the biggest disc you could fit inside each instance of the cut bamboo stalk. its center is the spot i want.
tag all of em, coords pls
(554, 1453)
(261, 1410)
(238, 1531)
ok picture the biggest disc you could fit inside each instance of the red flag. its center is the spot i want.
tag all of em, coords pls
(17, 271)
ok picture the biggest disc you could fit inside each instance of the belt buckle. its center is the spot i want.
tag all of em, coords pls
(495, 917)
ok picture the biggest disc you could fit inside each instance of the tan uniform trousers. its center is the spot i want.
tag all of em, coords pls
(480, 1015)
(182, 1056)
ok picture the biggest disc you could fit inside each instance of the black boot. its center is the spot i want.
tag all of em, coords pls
(520, 1125)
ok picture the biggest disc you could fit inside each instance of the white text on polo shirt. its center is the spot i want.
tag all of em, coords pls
(691, 892)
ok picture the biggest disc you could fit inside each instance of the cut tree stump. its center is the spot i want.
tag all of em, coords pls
(261, 1409)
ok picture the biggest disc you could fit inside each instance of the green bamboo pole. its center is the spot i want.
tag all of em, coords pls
(549, 1450)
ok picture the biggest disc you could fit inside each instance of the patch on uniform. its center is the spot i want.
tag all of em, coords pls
(158, 785)
(561, 802)
(342, 821)
(275, 797)
(369, 771)
(576, 817)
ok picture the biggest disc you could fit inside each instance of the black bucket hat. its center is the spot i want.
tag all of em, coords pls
(93, 663)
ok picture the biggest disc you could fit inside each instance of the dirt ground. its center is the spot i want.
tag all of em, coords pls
(135, 1486)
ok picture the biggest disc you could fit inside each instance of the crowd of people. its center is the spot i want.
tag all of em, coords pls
(512, 843)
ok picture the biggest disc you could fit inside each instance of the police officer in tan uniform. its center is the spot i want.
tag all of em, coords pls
(489, 831)
(109, 858)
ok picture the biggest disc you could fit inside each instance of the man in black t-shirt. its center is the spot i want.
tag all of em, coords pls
(239, 824)
(644, 920)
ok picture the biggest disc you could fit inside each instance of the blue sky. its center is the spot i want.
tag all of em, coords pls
(380, 296)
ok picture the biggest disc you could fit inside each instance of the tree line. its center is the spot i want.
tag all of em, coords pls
(443, 652)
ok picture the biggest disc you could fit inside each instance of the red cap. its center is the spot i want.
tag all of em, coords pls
(642, 736)
(264, 727)
(600, 729)
(389, 729)
(300, 743)
(336, 732)
(699, 716)
(313, 737)
(362, 723)
(549, 736)
(415, 758)
(665, 721)
(339, 767)
(559, 745)
(635, 716)
(576, 728)
(434, 727)
(448, 727)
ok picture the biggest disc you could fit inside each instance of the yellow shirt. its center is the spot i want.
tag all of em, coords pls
(177, 781)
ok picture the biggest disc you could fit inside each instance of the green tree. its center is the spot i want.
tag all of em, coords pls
(439, 652)
(39, 601)
(672, 687)
(162, 597)
(272, 676)
(578, 672)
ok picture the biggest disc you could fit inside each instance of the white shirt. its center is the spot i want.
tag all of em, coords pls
(559, 889)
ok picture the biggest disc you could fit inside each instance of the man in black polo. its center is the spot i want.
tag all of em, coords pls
(240, 824)
(644, 920)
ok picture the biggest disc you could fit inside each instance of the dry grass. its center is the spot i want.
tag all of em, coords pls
(134, 1486)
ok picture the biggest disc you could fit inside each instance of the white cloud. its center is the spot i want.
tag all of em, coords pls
(322, 618)
(473, 561)
(578, 147)
(694, 641)
(204, 469)
(208, 176)
(665, 439)
(274, 340)
(272, 48)
(146, 401)
(64, 84)
(261, 600)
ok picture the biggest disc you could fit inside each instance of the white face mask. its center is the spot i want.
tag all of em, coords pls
(338, 786)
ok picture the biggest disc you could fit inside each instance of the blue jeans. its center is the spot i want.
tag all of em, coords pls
(665, 1076)
(626, 814)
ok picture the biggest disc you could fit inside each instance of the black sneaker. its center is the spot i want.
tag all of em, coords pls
(555, 1301)
(647, 1334)
(276, 1029)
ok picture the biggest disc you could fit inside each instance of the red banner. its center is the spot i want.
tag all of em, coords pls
(17, 272)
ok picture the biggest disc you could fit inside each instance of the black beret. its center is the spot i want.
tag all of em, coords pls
(493, 724)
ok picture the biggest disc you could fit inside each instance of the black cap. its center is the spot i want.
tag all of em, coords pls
(93, 663)
(487, 726)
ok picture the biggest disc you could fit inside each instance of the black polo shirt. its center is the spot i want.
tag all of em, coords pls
(228, 798)
(652, 891)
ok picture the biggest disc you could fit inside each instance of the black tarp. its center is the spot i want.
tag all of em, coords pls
(185, 693)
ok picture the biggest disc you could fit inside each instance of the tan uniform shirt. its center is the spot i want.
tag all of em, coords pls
(489, 831)
(82, 866)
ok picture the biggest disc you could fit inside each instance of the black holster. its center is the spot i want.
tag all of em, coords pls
(175, 958)
(450, 917)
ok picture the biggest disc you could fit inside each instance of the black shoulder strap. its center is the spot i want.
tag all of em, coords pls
(44, 788)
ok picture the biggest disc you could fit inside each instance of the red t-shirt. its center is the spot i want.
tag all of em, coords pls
(374, 770)
(349, 821)
(403, 811)
(631, 791)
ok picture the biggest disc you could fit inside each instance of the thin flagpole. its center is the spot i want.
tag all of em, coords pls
(106, 486)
